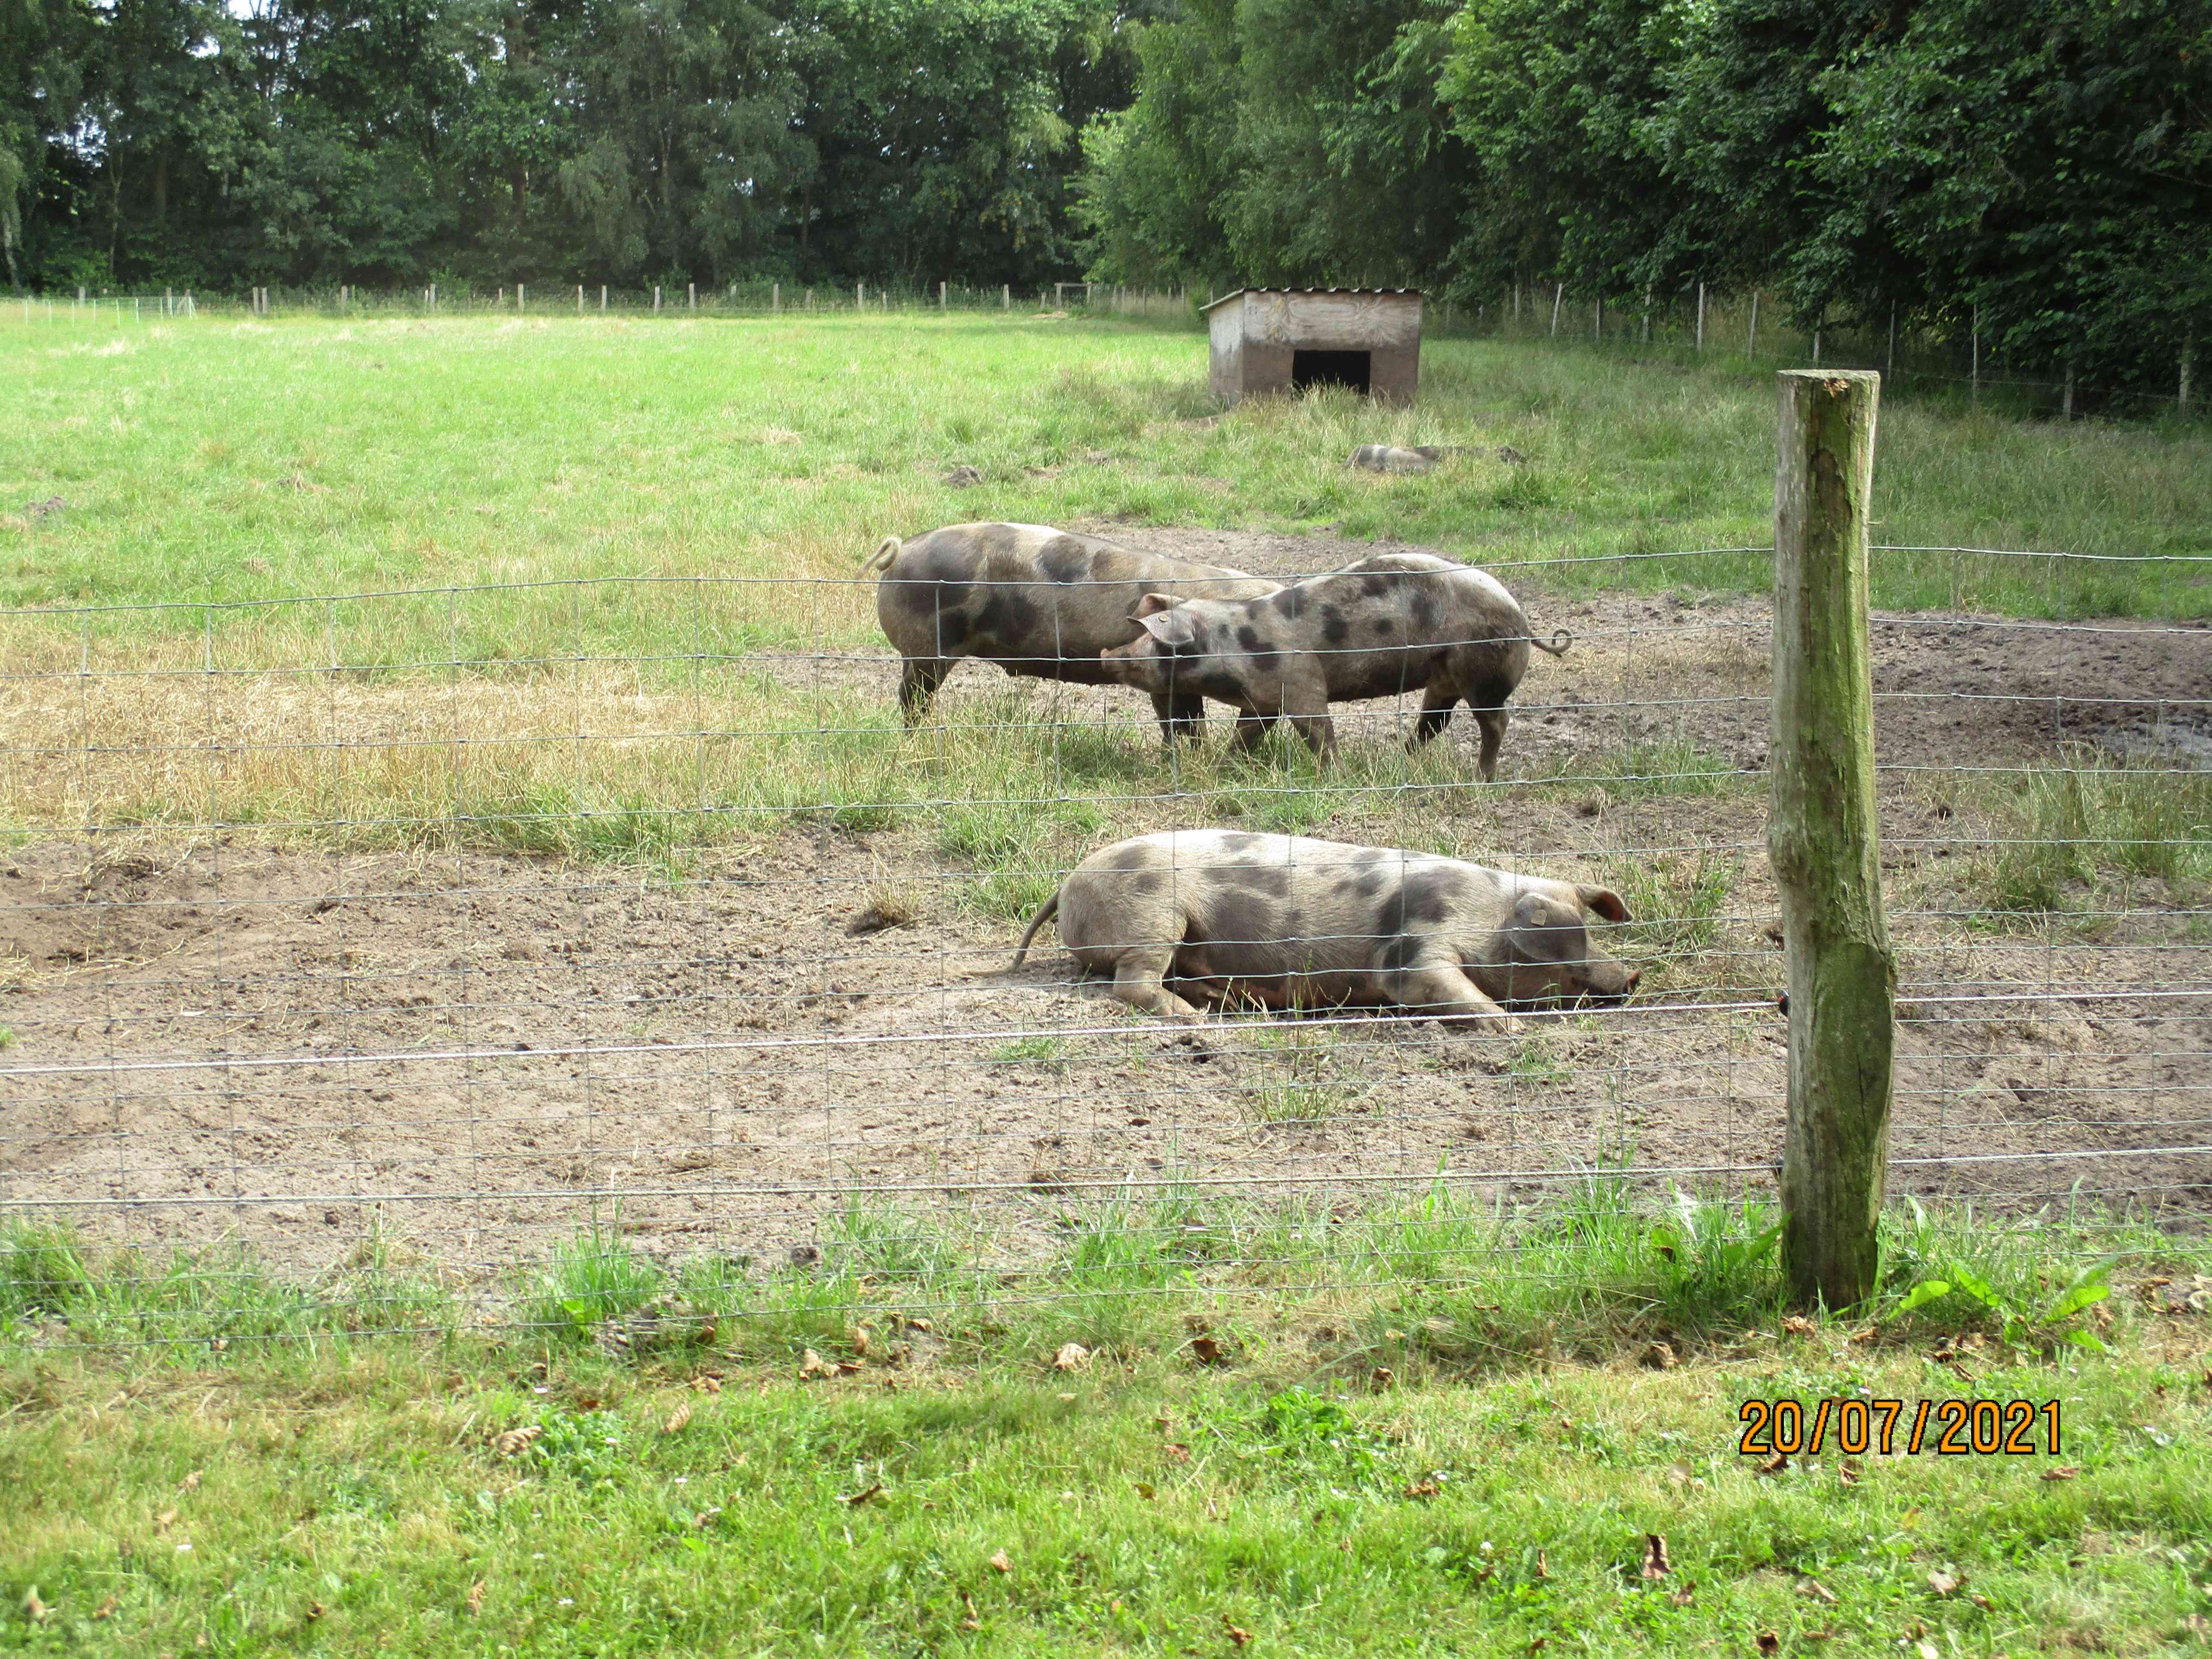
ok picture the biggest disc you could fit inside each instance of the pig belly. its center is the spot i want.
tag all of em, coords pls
(1268, 973)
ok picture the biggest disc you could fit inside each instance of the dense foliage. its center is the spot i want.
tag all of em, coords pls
(384, 142)
(2047, 162)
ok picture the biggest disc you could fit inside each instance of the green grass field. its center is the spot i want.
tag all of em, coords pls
(240, 460)
(880, 1455)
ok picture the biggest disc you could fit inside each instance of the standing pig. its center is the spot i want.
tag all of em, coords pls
(1294, 922)
(1034, 600)
(1395, 623)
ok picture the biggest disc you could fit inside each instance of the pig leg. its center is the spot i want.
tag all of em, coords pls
(1442, 991)
(919, 678)
(1252, 730)
(1180, 717)
(1436, 713)
(1306, 706)
(1139, 979)
(1493, 722)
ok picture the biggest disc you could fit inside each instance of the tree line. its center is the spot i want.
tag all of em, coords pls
(2042, 168)
(394, 143)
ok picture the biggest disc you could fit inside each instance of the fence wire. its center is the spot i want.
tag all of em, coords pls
(466, 920)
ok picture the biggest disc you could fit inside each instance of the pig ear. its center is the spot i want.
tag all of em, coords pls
(1544, 931)
(1152, 604)
(1603, 902)
(1170, 627)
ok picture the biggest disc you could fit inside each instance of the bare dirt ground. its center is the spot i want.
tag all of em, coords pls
(216, 1038)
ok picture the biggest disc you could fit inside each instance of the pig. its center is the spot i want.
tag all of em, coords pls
(1289, 922)
(1394, 622)
(1036, 601)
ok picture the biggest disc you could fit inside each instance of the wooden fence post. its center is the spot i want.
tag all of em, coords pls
(1005, 296)
(1558, 294)
(1751, 346)
(2181, 402)
(1701, 316)
(1824, 840)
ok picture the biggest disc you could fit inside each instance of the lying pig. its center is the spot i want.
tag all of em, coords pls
(1293, 922)
(1395, 623)
(1034, 600)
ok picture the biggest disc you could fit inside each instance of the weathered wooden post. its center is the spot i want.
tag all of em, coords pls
(1824, 840)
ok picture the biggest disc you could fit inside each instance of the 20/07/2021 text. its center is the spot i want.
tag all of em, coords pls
(1950, 1428)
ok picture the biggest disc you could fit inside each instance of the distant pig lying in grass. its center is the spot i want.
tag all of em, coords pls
(1034, 600)
(1291, 922)
(1389, 624)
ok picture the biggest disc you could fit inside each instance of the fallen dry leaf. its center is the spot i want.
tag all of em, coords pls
(1539, 1645)
(1176, 1451)
(1543, 1567)
(1207, 1350)
(1774, 1464)
(1798, 1325)
(315, 1610)
(813, 1364)
(511, 1442)
(707, 1384)
(858, 1340)
(922, 1325)
(1767, 1641)
(1681, 1597)
(1656, 1565)
(34, 1609)
(971, 1622)
(1817, 1590)
(164, 1520)
(1659, 1357)
(106, 1609)
(2064, 1472)
(475, 1597)
(861, 1497)
(1381, 1378)
(1942, 1583)
(847, 1367)
(1421, 1489)
(1981, 1601)
(1001, 1562)
(1238, 1636)
(678, 1417)
(1072, 1356)
(1847, 1472)
(191, 1481)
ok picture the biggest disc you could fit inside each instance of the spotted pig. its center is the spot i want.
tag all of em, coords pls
(1289, 921)
(1036, 601)
(1390, 624)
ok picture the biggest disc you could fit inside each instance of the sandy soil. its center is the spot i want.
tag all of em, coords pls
(487, 1050)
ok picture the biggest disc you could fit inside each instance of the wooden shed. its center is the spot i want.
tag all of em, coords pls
(1285, 339)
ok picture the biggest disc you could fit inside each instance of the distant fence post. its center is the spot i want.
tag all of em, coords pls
(1701, 316)
(859, 296)
(775, 297)
(940, 296)
(691, 296)
(1005, 296)
(1824, 840)
(1558, 294)
(519, 292)
(602, 297)
(656, 296)
(1976, 371)
(2181, 402)
(1751, 345)
(579, 299)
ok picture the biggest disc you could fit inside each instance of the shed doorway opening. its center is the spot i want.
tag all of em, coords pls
(1345, 368)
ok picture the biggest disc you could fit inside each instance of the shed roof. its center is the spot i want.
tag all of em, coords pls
(1408, 293)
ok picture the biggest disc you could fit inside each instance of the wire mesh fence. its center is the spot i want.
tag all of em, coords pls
(462, 922)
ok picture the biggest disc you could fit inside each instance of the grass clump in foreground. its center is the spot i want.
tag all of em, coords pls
(1288, 1470)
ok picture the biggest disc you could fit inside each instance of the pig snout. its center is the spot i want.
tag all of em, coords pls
(1605, 979)
(1138, 663)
